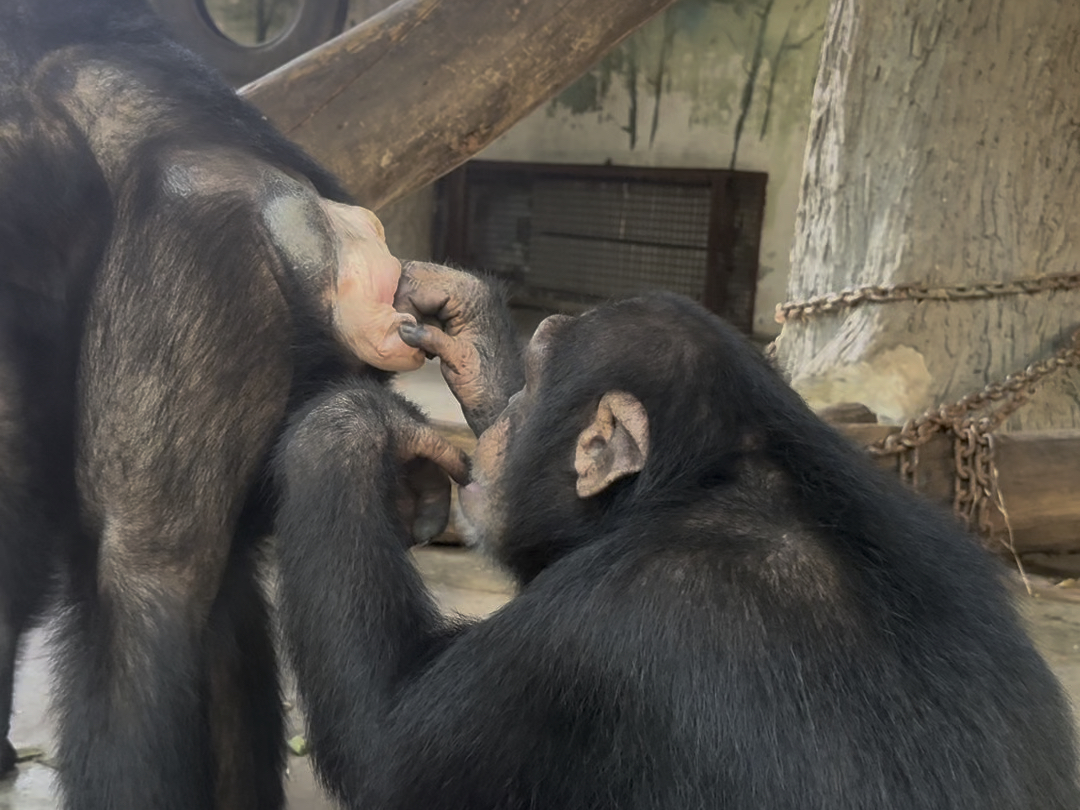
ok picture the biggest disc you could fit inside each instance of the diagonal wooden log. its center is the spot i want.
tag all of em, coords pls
(398, 101)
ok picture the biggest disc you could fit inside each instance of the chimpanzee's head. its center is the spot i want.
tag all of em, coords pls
(626, 410)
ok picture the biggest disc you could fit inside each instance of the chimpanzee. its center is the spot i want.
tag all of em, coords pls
(175, 277)
(723, 603)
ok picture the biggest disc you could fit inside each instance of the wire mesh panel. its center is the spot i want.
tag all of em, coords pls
(603, 239)
(579, 234)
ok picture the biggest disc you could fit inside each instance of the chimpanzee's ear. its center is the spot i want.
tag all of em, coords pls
(614, 445)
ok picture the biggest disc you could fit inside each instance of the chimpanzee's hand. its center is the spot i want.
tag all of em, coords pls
(429, 462)
(477, 343)
(365, 444)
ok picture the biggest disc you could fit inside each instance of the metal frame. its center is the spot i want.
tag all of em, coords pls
(452, 239)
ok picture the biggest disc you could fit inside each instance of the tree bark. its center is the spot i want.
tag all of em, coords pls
(944, 148)
(398, 101)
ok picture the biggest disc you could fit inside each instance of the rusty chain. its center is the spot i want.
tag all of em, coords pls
(975, 491)
(1013, 392)
(973, 488)
(848, 299)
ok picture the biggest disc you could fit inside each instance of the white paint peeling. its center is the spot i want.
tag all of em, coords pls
(894, 383)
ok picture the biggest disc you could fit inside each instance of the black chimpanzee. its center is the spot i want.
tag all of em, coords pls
(723, 603)
(174, 278)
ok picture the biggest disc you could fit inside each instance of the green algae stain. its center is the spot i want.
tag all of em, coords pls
(582, 96)
(748, 61)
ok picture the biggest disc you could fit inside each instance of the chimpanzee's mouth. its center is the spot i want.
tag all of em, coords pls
(468, 502)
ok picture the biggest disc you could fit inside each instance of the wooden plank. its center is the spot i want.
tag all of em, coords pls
(398, 101)
(848, 413)
(1038, 476)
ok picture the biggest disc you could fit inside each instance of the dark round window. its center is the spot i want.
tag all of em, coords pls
(253, 22)
(246, 39)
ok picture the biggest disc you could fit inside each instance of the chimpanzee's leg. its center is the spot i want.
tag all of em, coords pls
(129, 682)
(246, 719)
(26, 563)
(15, 547)
(138, 645)
(28, 533)
(185, 374)
(55, 217)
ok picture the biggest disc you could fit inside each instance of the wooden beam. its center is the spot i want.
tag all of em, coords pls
(1038, 477)
(398, 101)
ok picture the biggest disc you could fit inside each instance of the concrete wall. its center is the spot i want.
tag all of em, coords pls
(708, 84)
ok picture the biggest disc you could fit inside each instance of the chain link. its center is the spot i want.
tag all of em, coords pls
(975, 490)
(975, 487)
(973, 484)
(848, 299)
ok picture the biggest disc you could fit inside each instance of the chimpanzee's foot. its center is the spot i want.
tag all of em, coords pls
(7, 758)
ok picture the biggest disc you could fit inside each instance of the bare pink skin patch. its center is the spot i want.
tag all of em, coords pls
(363, 297)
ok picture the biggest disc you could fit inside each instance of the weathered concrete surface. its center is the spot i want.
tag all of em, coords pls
(1055, 628)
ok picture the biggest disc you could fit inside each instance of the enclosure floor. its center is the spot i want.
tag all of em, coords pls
(463, 583)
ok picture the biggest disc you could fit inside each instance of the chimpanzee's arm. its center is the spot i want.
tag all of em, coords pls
(357, 618)
(478, 345)
(405, 709)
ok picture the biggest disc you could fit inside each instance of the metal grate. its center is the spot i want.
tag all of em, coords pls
(573, 235)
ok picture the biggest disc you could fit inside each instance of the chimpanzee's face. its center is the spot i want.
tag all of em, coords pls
(482, 502)
(612, 446)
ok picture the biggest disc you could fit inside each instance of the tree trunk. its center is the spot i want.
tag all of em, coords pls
(398, 101)
(944, 148)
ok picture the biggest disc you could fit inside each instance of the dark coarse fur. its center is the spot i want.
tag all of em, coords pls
(154, 334)
(757, 619)
(54, 223)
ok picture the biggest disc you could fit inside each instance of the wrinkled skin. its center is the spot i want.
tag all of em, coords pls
(363, 298)
(472, 335)
(473, 338)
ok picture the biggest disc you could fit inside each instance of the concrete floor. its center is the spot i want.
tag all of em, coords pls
(462, 583)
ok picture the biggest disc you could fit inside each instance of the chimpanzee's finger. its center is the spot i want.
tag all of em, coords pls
(403, 305)
(432, 340)
(426, 443)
